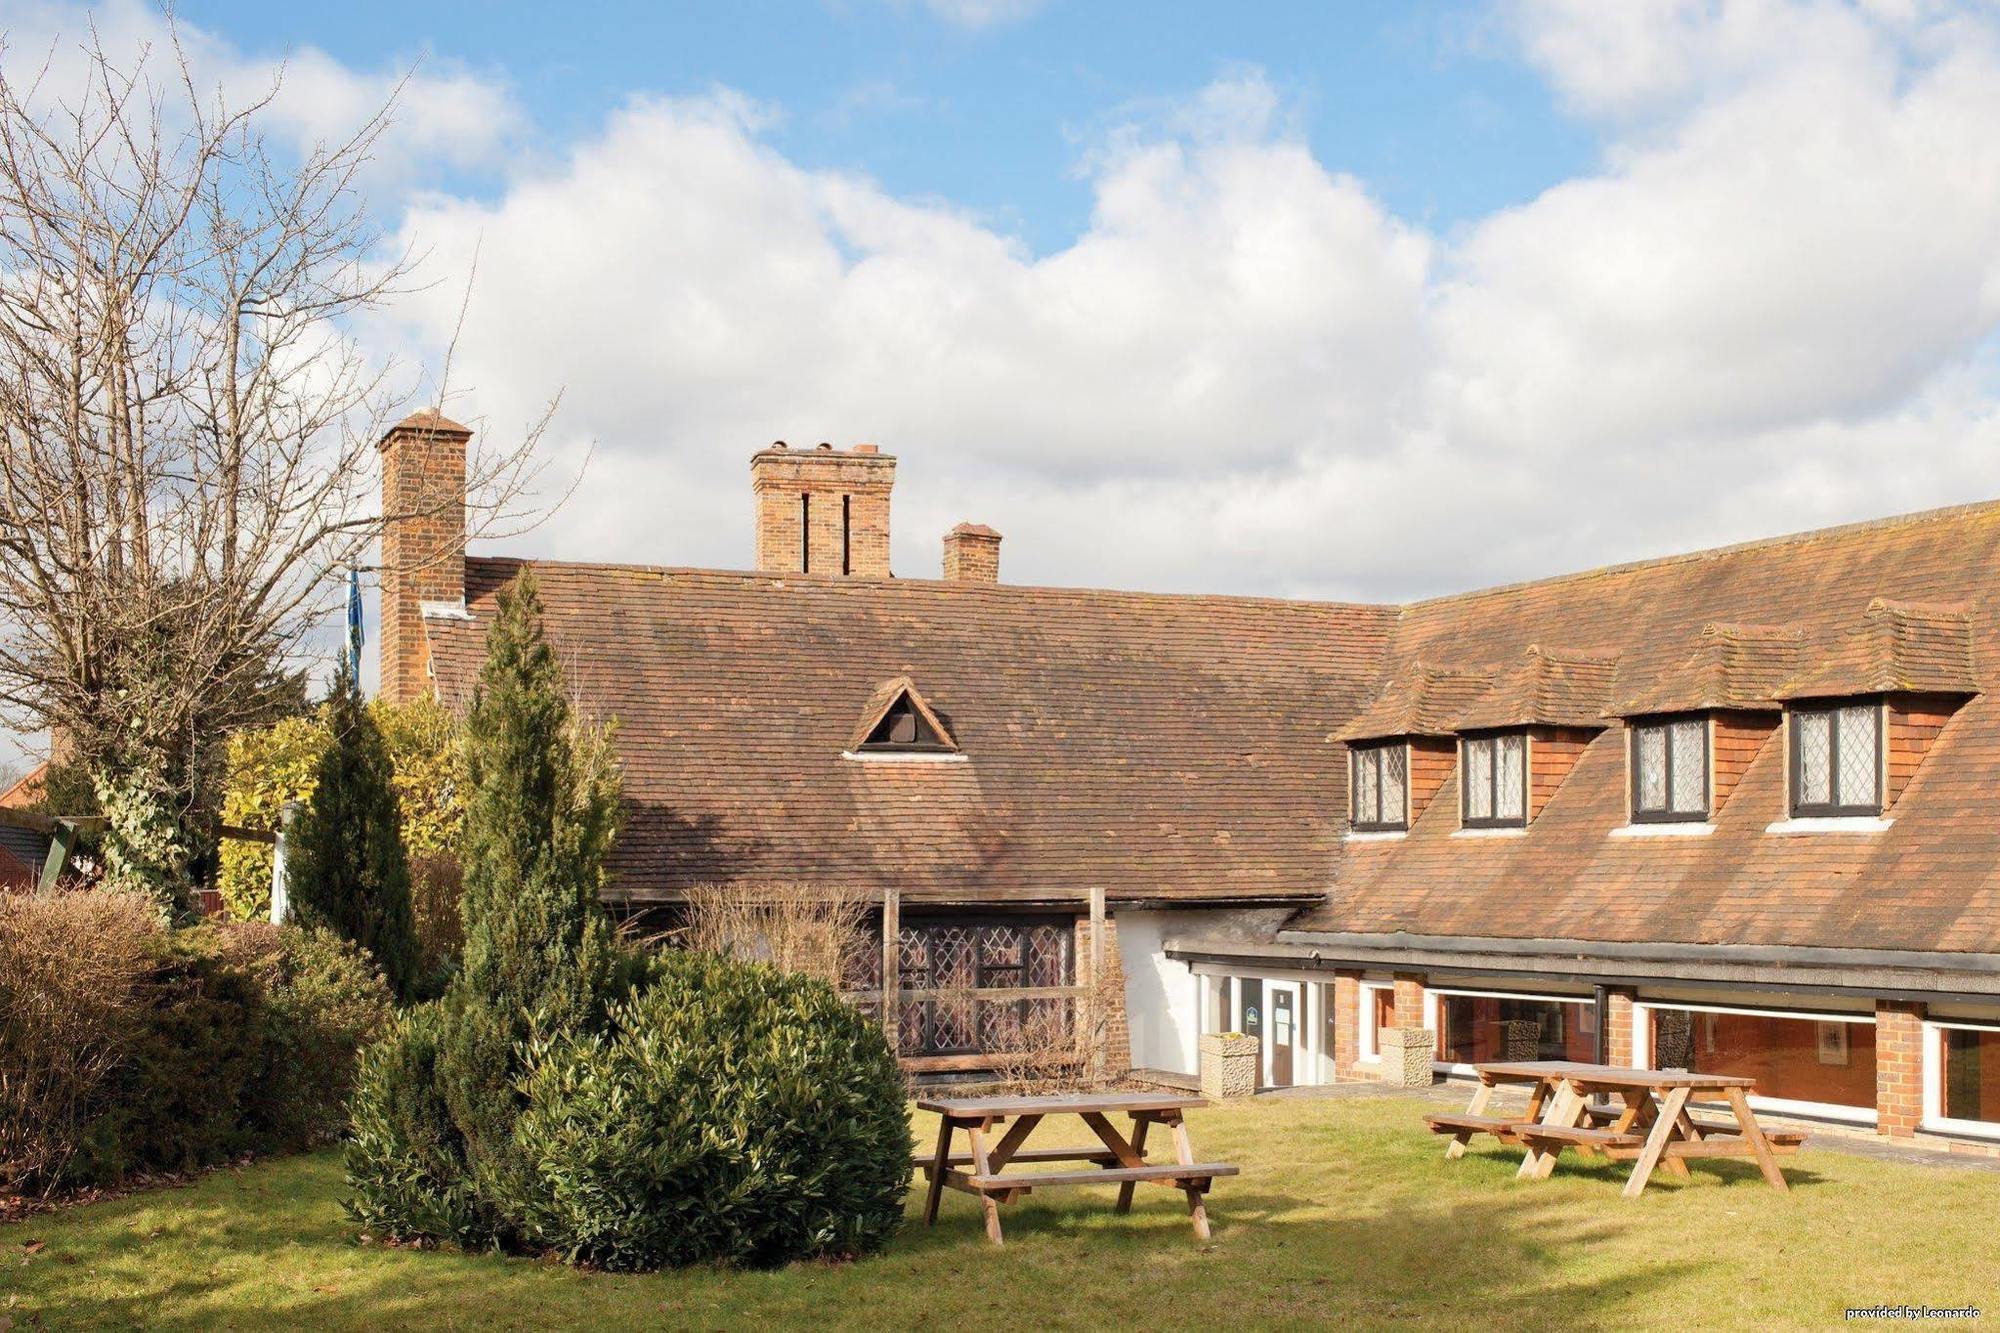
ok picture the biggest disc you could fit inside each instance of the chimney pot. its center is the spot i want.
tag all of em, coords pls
(777, 444)
(824, 445)
(866, 449)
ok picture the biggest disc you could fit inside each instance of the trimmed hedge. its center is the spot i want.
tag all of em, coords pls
(730, 1112)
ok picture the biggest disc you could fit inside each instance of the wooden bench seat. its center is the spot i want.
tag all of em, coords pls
(1474, 1124)
(1779, 1139)
(1169, 1172)
(1578, 1135)
(1101, 1155)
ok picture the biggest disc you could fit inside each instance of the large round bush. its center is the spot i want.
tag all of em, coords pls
(728, 1112)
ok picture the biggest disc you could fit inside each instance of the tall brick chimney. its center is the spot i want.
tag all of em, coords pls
(824, 510)
(423, 542)
(972, 554)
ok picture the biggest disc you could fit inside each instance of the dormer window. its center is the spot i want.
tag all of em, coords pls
(1379, 787)
(1669, 770)
(1495, 780)
(900, 721)
(1836, 753)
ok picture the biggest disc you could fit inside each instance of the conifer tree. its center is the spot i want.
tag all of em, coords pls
(539, 955)
(346, 869)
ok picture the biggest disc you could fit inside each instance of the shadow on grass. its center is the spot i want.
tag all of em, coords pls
(1327, 1223)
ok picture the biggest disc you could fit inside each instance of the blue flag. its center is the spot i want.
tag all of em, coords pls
(355, 636)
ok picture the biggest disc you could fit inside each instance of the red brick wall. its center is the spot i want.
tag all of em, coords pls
(1914, 724)
(1618, 1034)
(1431, 758)
(1346, 1023)
(423, 544)
(1115, 1049)
(1899, 1064)
(859, 476)
(1409, 1000)
(1553, 752)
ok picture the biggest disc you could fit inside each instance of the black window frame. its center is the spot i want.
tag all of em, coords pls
(1836, 809)
(1465, 743)
(1372, 752)
(1667, 722)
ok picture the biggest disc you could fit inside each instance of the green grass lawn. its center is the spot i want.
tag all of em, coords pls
(1346, 1210)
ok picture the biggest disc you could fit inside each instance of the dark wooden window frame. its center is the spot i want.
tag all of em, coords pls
(1669, 815)
(1835, 809)
(1493, 738)
(1372, 752)
(805, 532)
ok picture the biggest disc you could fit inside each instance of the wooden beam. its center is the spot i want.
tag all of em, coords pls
(892, 968)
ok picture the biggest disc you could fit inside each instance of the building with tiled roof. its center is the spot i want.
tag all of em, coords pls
(1738, 809)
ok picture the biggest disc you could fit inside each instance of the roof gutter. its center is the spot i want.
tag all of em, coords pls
(1770, 955)
(1878, 972)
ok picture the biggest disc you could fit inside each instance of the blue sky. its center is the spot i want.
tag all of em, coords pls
(1430, 103)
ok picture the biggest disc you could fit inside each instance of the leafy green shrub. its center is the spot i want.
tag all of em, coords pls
(268, 766)
(325, 1001)
(729, 1112)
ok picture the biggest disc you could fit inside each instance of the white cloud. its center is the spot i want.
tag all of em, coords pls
(446, 115)
(982, 13)
(1772, 304)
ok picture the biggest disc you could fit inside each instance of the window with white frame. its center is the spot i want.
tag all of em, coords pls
(1494, 781)
(1379, 786)
(1669, 770)
(1378, 1011)
(1811, 1063)
(1836, 754)
(1962, 1077)
(1475, 1027)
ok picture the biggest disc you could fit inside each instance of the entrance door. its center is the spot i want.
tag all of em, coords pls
(1250, 1002)
(1284, 1032)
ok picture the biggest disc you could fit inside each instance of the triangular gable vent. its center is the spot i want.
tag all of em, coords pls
(897, 718)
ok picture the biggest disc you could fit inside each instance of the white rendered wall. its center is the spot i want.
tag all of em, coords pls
(1162, 997)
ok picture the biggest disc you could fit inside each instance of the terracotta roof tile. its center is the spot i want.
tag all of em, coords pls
(1731, 667)
(1895, 647)
(1931, 881)
(1169, 748)
(1420, 700)
(1546, 688)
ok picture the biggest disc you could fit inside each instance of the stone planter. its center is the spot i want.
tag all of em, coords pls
(1228, 1065)
(1406, 1056)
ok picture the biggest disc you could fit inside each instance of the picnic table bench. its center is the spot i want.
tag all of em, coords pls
(1651, 1128)
(1113, 1159)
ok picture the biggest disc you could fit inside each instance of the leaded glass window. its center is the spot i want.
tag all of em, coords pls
(1670, 769)
(1380, 786)
(1496, 781)
(1837, 760)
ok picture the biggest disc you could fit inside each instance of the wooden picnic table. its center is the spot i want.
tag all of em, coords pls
(1652, 1126)
(1115, 1158)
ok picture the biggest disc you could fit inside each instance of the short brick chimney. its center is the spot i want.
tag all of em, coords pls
(423, 542)
(972, 554)
(824, 510)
